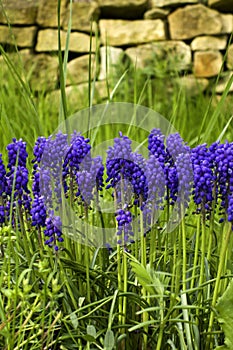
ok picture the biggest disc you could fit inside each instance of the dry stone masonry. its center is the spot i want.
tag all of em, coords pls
(189, 37)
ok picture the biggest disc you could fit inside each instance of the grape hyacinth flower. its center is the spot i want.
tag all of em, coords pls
(204, 178)
(38, 153)
(166, 156)
(17, 182)
(119, 160)
(48, 183)
(2, 214)
(222, 155)
(223, 160)
(38, 212)
(79, 149)
(156, 184)
(125, 170)
(176, 146)
(53, 231)
(17, 154)
(139, 179)
(124, 226)
(156, 146)
(3, 182)
(17, 177)
(3, 191)
(90, 179)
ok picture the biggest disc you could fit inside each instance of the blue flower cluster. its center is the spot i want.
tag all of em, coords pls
(204, 178)
(222, 165)
(126, 168)
(17, 154)
(171, 174)
(89, 179)
(14, 182)
(124, 227)
(53, 231)
(38, 212)
(3, 183)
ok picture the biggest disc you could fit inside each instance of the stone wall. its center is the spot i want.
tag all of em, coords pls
(189, 36)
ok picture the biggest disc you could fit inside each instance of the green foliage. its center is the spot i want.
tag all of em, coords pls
(224, 309)
(109, 340)
(153, 281)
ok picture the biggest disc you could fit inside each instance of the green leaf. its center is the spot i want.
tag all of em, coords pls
(88, 338)
(81, 301)
(74, 320)
(143, 276)
(91, 331)
(109, 340)
(225, 316)
(153, 281)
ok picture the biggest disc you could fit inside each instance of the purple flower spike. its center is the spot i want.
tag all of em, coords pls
(38, 212)
(38, 150)
(90, 178)
(124, 165)
(222, 156)
(78, 150)
(53, 231)
(156, 146)
(17, 154)
(124, 226)
(204, 177)
(3, 183)
(176, 146)
(2, 214)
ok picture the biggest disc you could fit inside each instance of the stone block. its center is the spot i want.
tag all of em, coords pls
(18, 12)
(21, 36)
(77, 70)
(227, 24)
(156, 13)
(79, 42)
(43, 70)
(109, 58)
(192, 21)
(122, 32)
(222, 84)
(47, 13)
(84, 14)
(77, 95)
(203, 43)
(207, 63)
(192, 85)
(230, 57)
(40, 71)
(174, 55)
